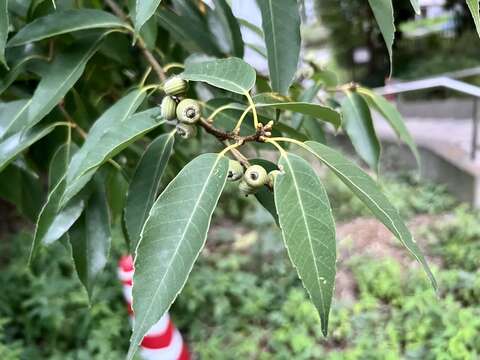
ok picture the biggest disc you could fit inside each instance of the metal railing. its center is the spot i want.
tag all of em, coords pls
(447, 82)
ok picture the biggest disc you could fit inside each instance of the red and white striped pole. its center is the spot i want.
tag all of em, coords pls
(163, 341)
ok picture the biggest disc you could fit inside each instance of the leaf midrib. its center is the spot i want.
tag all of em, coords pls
(195, 208)
(157, 167)
(305, 221)
(60, 32)
(274, 42)
(395, 230)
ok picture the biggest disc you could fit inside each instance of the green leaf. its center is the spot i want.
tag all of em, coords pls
(394, 118)
(110, 134)
(145, 184)
(232, 74)
(370, 194)
(474, 8)
(63, 22)
(173, 236)
(117, 186)
(383, 11)
(317, 111)
(8, 77)
(229, 28)
(144, 10)
(307, 96)
(291, 132)
(192, 35)
(3, 30)
(23, 188)
(281, 26)
(252, 27)
(90, 238)
(13, 145)
(54, 221)
(308, 230)
(59, 163)
(357, 122)
(264, 195)
(59, 78)
(10, 112)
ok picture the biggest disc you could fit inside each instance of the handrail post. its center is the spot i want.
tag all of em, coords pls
(475, 129)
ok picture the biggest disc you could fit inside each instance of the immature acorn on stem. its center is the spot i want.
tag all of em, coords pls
(235, 170)
(246, 189)
(271, 177)
(175, 86)
(255, 176)
(168, 108)
(188, 111)
(186, 131)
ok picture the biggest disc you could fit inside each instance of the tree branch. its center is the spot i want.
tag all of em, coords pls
(117, 10)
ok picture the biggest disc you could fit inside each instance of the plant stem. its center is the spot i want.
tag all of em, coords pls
(254, 110)
(167, 67)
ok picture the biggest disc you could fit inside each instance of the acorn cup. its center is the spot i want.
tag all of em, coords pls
(188, 111)
(168, 108)
(255, 176)
(235, 170)
(175, 86)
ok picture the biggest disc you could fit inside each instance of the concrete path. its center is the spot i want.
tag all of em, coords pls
(450, 139)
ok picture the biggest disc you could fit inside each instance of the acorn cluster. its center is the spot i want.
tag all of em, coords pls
(252, 179)
(175, 107)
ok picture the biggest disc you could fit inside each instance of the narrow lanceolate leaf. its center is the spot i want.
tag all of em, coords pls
(192, 35)
(144, 10)
(53, 222)
(308, 95)
(13, 145)
(281, 26)
(368, 191)
(474, 8)
(59, 78)
(62, 22)
(110, 134)
(10, 113)
(22, 187)
(3, 30)
(172, 237)
(8, 77)
(393, 116)
(308, 230)
(415, 5)
(145, 183)
(229, 29)
(383, 11)
(357, 122)
(232, 74)
(90, 238)
(317, 111)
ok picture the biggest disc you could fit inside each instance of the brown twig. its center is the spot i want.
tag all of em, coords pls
(117, 10)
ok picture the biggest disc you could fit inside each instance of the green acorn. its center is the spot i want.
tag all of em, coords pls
(168, 108)
(188, 111)
(246, 189)
(271, 177)
(175, 86)
(186, 131)
(255, 176)
(235, 170)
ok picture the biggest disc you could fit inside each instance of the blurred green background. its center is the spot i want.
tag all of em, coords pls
(243, 299)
